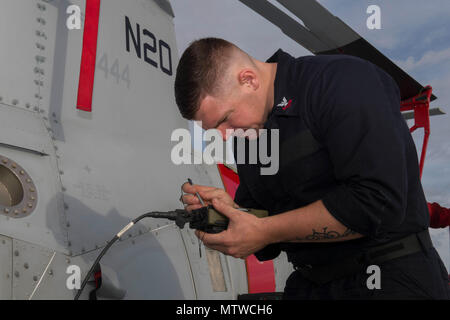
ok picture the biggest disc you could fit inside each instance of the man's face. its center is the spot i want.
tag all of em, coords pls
(242, 110)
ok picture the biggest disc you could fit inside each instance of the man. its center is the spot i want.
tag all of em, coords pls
(347, 194)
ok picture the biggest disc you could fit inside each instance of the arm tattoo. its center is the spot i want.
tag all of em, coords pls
(326, 235)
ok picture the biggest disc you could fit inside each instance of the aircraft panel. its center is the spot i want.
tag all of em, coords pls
(46, 224)
(29, 263)
(51, 283)
(150, 266)
(6, 273)
(208, 271)
(95, 171)
(238, 276)
(288, 26)
(283, 270)
(24, 129)
(97, 150)
(20, 65)
(54, 49)
(327, 27)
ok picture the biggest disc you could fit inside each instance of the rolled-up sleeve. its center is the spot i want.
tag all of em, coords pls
(355, 111)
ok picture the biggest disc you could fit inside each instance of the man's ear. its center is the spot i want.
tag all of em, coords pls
(248, 77)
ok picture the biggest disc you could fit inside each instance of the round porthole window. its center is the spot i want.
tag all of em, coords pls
(18, 194)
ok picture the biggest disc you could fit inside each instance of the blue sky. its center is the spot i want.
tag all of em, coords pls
(414, 34)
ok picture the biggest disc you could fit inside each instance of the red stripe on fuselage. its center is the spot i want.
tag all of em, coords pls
(88, 56)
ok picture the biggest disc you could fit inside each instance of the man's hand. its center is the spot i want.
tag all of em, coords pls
(207, 194)
(245, 234)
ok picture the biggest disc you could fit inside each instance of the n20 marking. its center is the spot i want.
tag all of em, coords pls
(150, 47)
(114, 70)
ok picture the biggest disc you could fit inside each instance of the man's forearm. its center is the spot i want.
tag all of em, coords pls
(313, 223)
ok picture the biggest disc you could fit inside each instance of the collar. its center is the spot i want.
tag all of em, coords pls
(284, 88)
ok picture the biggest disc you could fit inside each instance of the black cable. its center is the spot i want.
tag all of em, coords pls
(110, 243)
(167, 215)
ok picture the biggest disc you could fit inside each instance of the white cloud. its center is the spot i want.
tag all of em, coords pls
(428, 59)
(404, 23)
